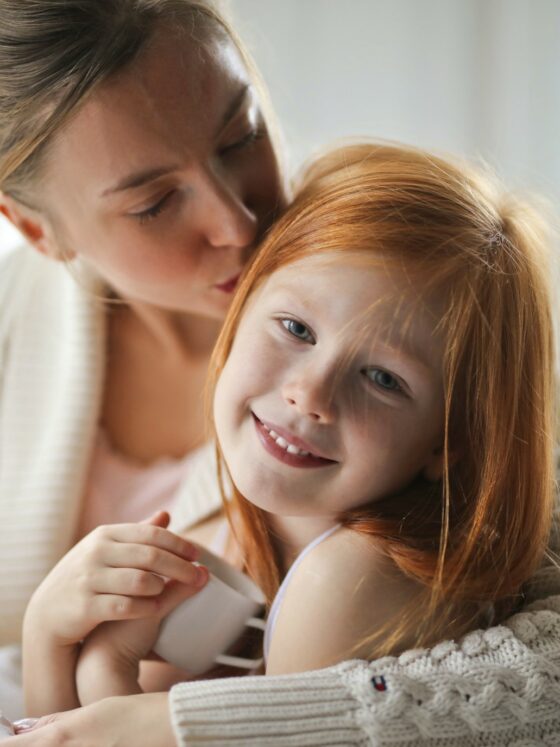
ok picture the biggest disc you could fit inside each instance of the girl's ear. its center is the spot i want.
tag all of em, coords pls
(35, 227)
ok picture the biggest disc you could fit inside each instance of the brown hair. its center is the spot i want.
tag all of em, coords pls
(478, 534)
(54, 53)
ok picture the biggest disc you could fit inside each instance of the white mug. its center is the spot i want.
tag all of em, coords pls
(197, 633)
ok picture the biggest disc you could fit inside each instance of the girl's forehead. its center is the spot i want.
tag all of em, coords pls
(372, 277)
(352, 292)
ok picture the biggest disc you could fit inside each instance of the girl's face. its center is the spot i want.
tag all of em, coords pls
(332, 395)
(166, 177)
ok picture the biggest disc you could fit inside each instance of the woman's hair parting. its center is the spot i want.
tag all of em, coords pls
(54, 53)
(474, 537)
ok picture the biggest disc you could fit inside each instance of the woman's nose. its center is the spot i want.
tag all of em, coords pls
(312, 394)
(225, 218)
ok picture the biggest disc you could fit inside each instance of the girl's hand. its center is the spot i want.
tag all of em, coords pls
(117, 572)
(109, 661)
(139, 720)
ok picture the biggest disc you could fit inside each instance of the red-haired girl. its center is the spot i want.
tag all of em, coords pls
(384, 407)
(383, 404)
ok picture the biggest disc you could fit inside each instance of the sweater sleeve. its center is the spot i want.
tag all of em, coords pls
(493, 688)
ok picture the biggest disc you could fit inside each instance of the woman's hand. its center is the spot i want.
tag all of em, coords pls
(117, 572)
(139, 720)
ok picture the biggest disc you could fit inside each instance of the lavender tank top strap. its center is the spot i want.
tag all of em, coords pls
(281, 593)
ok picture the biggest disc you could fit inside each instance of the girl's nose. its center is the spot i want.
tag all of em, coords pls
(312, 395)
(225, 218)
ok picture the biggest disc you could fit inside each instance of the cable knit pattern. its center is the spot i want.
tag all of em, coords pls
(493, 688)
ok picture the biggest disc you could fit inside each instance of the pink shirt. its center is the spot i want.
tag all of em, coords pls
(119, 489)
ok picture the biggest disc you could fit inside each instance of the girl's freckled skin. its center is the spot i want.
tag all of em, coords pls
(372, 410)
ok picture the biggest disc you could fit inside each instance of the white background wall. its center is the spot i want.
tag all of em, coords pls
(479, 77)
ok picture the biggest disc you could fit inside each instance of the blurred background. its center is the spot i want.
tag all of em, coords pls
(477, 77)
(474, 77)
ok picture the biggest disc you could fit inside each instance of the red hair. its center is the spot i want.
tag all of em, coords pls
(478, 534)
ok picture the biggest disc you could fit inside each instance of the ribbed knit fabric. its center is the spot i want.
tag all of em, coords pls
(499, 687)
(51, 368)
(52, 362)
(493, 688)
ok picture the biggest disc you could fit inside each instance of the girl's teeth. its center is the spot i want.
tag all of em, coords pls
(290, 448)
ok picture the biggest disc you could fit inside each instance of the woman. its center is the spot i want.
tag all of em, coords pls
(134, 152)
(149, 190)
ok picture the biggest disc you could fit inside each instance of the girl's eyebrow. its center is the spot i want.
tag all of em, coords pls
(401, 346)
(139, 178)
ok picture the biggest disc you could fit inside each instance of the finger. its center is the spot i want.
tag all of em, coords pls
(152, 559)
(128, 582)
(108, 607)
(159, 519)
(155, 536)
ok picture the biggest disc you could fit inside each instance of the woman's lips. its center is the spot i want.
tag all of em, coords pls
(229, 285)
(274, 438)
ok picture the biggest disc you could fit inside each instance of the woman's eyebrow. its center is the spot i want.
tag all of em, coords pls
(233, 107)
(139, 178)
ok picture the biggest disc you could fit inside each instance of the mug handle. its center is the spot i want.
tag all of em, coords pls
(239, 661)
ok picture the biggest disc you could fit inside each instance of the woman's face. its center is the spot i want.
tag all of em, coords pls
(166, 177)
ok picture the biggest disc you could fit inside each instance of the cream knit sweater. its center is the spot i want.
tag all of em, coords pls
(52, 359)
(500, 687)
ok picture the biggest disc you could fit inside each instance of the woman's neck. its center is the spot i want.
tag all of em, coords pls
(176, 333)
(156, 371)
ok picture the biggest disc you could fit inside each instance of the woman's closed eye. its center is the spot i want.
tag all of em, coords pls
(151, 212)
(298, 329)
(251, 137)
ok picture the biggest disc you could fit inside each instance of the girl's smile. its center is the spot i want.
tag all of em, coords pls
(332, 394)
(288, 448)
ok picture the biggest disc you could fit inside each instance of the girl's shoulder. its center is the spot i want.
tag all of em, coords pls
(344, 590)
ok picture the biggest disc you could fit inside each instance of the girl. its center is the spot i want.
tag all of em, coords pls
(384, 388)
(91, 94)
(383, 403)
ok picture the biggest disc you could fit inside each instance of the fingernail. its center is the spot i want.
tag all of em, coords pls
(201, 575)
(24, 724)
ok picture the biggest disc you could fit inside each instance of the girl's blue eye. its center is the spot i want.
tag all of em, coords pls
(383, 379)
(298, 329)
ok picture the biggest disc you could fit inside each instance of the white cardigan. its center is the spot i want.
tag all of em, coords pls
(52, 361)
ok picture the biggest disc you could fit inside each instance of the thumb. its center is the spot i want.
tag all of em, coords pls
(158, 519)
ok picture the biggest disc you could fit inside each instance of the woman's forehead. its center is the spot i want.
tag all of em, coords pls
(158, 110)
